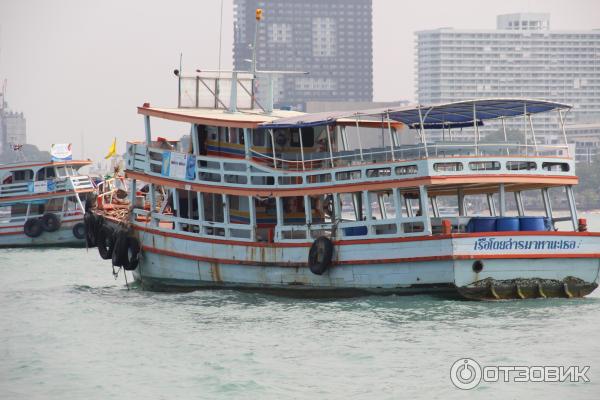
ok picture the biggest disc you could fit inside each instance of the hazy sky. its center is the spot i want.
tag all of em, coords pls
(81, 67)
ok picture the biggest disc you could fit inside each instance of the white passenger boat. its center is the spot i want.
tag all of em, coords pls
(41, 203)
(342, 203)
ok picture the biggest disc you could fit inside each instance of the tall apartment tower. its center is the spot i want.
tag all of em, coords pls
(522, 57)
(331, 40)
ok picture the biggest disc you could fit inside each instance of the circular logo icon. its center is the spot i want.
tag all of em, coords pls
(465, 373)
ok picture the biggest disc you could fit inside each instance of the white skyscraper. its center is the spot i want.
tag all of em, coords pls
(521, 58)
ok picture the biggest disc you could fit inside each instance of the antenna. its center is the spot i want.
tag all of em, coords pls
(220, 37)
(258, 15)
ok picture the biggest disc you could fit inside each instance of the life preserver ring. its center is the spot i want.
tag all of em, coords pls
(79, 230)
(320, 255)
(89, 222)
(50, 222)
(33, 227)
(105, 242)
(119, 255)
(133, 253)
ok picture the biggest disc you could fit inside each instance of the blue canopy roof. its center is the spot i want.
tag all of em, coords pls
(448, 115)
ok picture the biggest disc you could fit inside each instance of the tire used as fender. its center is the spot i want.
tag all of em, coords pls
(90, 228)
(119, 256)
(320, 255)
(50, 222)
(33, 227)
(79, 230)
(133, 253)
(106, 242)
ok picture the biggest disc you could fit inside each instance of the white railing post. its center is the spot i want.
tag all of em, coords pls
(358, 136)
(564, 132)
(301, 148)
(329, 144)
(389, 124)
(273, 147)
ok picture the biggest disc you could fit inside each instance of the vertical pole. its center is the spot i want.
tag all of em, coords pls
(475, 129)
(461, 203)
(435, 207)
(279, 211)
(398, 208)
(329, 144)
(273, 148)
(562, 124)
(225, 199)
(247, 143)
(408, 206)
(381, 202)
(491, 205)
(505, 135)
(422, 129)
(153, 221)
(301, 148)
(201, 219)
(548, 205)
(389, 125)
(147, 129)
(307, 214)
(252, 217)
(533, 135)
(425, 209)
(525, 128)
(502, 199)
(519, 201)
(344, 137)
(358, 136)
(132, 191)
(233, 95)
(195, 144)
(175, 195)
(572, 206)
(366, 200)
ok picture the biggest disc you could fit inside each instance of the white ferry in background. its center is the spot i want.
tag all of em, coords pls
(281, 201)
(42, 203)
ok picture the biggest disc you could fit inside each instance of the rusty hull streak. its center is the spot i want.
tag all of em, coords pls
(215, 272)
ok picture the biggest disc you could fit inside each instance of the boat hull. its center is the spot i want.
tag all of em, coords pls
(14, 236)
(419, 265)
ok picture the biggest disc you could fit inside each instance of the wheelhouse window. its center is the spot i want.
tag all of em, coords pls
(308, 137)
(23, 175)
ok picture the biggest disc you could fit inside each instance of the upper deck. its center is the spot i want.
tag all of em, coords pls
(283, 152)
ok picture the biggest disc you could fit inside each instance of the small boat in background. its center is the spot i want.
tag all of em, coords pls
(41, 203)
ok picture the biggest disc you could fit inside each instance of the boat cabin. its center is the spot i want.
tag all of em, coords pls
(262, 175)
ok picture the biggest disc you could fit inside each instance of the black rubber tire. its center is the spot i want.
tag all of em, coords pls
(106, 242)
(50, 222)
(320, 255)
(98, 224)
(119, 256)
(33, 227)
(133, 253)
(89, 221)
(79, 230)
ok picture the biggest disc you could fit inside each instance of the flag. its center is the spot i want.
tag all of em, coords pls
(113, 149)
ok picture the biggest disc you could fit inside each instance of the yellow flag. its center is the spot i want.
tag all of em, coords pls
(113, 149)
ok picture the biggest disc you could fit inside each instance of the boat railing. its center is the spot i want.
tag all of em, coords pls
(19, 219)
(60, 184)
(318, 160)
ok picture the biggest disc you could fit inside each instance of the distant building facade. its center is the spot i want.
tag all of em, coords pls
(331, 40)
(585, 141)
(522, 57)
(12, 126)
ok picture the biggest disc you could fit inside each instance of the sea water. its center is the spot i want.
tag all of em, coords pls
(68, 330)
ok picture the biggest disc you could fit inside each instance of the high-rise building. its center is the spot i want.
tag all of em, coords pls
(522, 57)
(331, 40)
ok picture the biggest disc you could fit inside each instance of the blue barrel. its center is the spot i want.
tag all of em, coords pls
(482, 224)
(532, 223)
(504, 224)
(356, 231)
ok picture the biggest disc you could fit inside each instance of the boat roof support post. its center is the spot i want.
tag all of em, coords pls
(252, 214)
(422, 130)
(343, 137)
(525, 128)
(195, 146)
(366, 201)
(147, 130)
(301, 148)
(533, 134)
(424, 203)
(273, 148)
(329, 144)
(502, 199)
(358, 136)
(475, 129)
(200, 200)
(505, 135)
(461, 203)
(247, 138)
(572, 207)
(225, 198)
(547, 205)
(233, 96)
(398, 208)
(307, 214)
(389, 126)
(279, 211)
(519, 201)
(564, 132)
